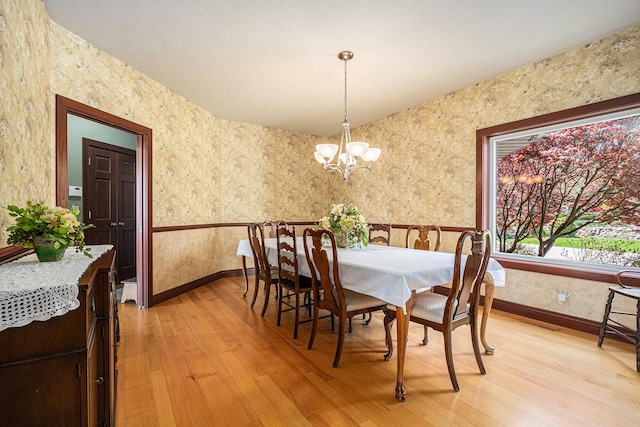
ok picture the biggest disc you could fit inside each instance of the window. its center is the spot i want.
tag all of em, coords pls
(561, 192)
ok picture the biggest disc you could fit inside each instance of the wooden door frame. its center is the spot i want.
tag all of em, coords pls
(65, 106)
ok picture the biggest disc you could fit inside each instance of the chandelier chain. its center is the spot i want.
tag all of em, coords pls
(345, 90)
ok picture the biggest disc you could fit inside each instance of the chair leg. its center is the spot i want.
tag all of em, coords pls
(267, 291)
(314, 327)
(473, 323)
(308, 302)
(449, 354)
(366, 322)
(425, 340)
(605, 319)
(279, 306)
(255, 290)
(350, 328)
(389, 317)
(341, 327)
(297, 310)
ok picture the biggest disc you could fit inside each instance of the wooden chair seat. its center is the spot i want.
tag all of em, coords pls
(431, 306)
(355, 301)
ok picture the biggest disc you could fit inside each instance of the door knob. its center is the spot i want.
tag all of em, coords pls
(114, 224)
(121, 224)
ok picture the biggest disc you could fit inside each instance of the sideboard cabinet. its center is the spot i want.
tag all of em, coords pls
(62, 372)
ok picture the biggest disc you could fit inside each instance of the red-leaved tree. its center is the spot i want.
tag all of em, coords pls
(589, 173)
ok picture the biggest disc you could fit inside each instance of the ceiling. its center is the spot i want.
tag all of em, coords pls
(274, 62)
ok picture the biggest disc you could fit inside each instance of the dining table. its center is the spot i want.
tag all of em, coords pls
(394, 275)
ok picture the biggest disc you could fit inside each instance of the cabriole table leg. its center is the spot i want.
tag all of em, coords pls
(488, 302)
(402, 325)
(246, 279)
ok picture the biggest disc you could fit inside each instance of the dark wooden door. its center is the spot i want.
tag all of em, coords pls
(109, 201)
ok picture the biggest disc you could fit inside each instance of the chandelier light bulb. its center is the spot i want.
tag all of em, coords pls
(327, 151)
(372, 154)
(357, 149)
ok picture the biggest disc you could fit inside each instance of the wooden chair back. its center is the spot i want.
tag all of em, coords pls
(256, 240)
(465, 287)
(429, 237)
(380, 234)
(325, 280)
(287, 255)
(272, 226)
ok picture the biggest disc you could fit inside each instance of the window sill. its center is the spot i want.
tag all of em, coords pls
(604, 274)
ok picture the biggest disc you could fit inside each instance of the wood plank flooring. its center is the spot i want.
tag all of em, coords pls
(206, 358)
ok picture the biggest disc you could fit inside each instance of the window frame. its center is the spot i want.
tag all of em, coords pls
(483, 179)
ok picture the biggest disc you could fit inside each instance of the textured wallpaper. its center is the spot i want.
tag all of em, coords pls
(27, 152)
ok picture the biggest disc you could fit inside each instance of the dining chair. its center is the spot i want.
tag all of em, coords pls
(289, 278)
(428, 237)
(613, 326)
(272, 226)
(425, 240)
(445, 313)
(328, 293)
(263, 271)
(380, 234)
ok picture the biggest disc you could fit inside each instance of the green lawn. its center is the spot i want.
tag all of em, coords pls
(592, 243)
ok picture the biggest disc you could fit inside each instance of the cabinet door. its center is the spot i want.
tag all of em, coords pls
(45, 392)
(95, 382)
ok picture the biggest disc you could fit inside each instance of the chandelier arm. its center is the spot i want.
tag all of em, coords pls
(356, 167)
(333, 167)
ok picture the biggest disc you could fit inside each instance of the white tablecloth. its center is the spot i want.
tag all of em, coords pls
(33, 290)
(386, 272)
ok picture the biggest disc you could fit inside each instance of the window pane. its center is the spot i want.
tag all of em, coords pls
(569, 194)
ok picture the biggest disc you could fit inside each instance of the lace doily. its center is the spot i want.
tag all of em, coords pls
(33, 290)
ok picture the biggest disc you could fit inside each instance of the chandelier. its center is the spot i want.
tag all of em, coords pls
(351, 155)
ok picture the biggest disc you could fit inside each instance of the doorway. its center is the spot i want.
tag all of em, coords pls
(65, 107)
(109, 189)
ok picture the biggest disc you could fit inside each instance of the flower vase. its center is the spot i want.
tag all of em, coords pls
(46, 251)
(341, 239)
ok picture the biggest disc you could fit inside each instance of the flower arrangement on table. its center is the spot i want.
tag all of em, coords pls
(348, 225)
(56, 228)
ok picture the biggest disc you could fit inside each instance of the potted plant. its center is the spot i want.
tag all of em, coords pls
(49, 231)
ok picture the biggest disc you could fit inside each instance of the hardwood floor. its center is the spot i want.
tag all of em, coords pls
(206, 359)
